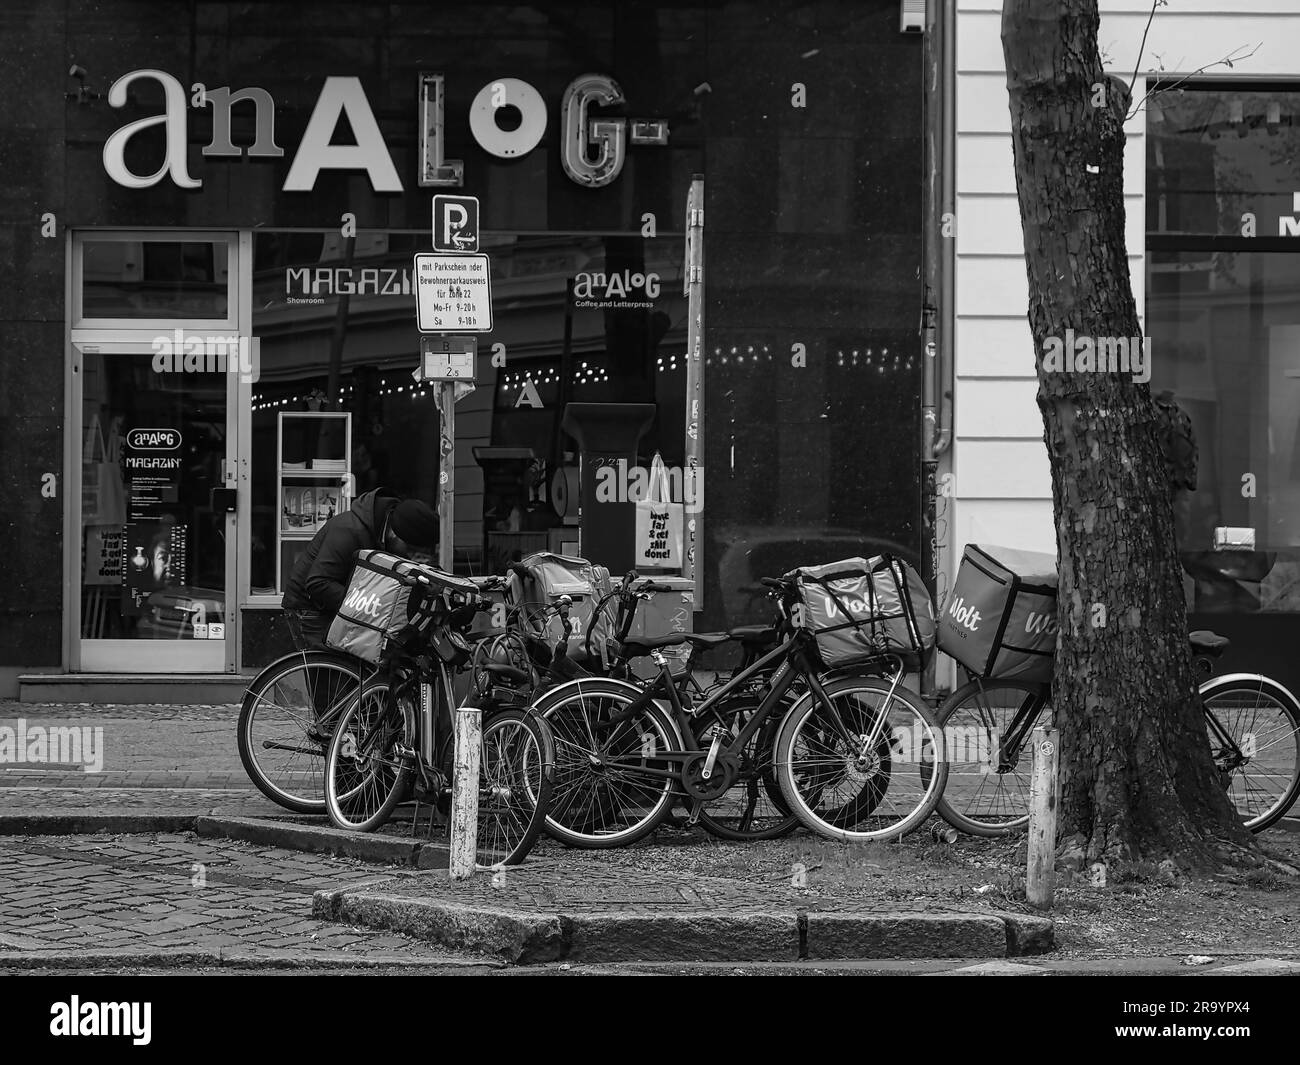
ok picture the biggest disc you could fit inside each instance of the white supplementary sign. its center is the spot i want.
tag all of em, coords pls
(453, 293)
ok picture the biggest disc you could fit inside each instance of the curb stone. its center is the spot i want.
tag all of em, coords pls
(511, 937)
(185, 959)
(616, 936)
(320, 839)
(80, 824)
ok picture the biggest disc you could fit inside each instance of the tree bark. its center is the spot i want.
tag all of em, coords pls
(1138, 780)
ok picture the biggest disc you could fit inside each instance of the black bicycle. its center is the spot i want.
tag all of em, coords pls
(853, 757)
(392, 740)
(1253, 724)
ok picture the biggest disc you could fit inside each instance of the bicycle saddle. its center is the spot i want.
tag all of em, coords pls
(759, 635)
(643, 645)
(706, 639)
(1207, 643)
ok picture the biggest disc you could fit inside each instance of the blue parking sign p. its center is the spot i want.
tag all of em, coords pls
(455, 223)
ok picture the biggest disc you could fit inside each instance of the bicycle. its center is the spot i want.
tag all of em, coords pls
(1253, 724)
(394, 738)
(623, 760)
(286, 719)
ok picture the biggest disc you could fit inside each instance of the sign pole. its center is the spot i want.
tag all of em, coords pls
(446, 474)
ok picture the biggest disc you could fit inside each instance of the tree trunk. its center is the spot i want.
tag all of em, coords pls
(1138, 781)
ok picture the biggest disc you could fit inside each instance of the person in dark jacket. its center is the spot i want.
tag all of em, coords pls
(406, 527)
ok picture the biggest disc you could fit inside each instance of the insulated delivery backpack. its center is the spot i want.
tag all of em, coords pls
(551, 576)
(860, 608)
(1000, 620)
(388, 599)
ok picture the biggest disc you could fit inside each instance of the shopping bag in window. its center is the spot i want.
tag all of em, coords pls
(659, 523)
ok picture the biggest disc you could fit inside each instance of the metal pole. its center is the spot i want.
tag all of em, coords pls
(464, 792)
(693, 490)
(446, 475)
(1040, 877)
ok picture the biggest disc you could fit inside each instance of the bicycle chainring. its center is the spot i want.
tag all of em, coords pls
(726, 770)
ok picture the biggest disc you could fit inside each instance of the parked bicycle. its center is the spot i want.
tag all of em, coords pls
(1253, 724)
(854, 758)
(396, 743)
(395, 739)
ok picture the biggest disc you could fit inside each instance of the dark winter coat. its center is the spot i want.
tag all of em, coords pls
(320, 576)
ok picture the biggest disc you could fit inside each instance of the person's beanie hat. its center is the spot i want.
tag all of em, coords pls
(415, 522)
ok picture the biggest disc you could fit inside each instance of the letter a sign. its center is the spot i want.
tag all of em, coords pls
(455, 223)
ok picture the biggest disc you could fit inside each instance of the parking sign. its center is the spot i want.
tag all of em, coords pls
(455, 223)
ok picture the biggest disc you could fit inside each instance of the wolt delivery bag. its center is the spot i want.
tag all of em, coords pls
(1000, 620)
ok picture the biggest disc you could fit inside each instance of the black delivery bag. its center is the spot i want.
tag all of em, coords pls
(388, 597)
(859, 608)
(1000, 619)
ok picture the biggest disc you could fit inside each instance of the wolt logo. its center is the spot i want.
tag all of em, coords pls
(964, 615)
(1036, 623)
(359, 603)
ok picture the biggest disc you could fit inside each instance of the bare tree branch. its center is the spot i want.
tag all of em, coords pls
(1226, 61)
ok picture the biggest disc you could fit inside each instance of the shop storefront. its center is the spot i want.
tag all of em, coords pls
(236, 192)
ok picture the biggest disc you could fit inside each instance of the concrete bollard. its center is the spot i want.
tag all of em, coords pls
(464, 792)
(1040, 878)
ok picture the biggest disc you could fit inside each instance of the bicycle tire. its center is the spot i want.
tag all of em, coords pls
(281, 698)
(756, 785)
(516, 777)
(861, 703)
(1240, 702)
(366, 776)
(591, 806)
(982, 798)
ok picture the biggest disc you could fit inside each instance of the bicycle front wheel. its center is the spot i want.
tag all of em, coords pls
(286, 720)
(371, 760)
(865, 764)
(613, 785)
(1254, 727)
(986, 726)
(516, 775)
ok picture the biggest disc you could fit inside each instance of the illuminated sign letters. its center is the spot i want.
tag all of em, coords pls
(592, 149)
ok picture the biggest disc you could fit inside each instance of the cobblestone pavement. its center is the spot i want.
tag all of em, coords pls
(166, 893)
(157, 758)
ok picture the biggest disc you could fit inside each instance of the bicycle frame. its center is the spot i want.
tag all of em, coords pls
(796, 664)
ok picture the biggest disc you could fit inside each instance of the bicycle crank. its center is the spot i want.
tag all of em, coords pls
(726, 770)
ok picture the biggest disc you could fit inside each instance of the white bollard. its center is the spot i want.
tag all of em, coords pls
(1040, 878)
(464, 792)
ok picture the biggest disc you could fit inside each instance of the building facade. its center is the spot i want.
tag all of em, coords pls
(1212, 195)
(211, 210)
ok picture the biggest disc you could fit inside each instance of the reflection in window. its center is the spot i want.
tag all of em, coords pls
(155, 279)
(577, 317)
(1223, 314)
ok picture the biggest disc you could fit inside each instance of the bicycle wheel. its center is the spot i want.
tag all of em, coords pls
(285, 724)
(753, 808)
(1253, 724)
(516, 775)
(989, 768)
(371, 759)
(612, 785)
(864, 765)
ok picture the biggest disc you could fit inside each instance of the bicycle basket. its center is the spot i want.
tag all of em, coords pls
(858, 609)
(388, 599)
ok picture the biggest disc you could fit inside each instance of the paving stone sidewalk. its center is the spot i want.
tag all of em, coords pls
(163, 894)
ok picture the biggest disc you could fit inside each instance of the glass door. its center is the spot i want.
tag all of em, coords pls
(153, 417)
